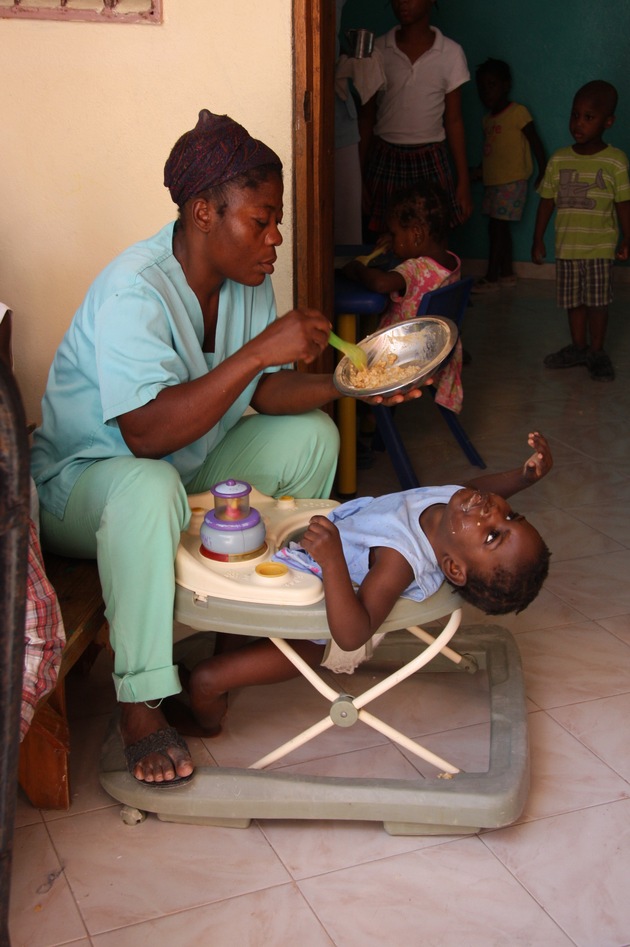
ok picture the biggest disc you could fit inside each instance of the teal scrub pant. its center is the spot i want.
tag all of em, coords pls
(128, 513)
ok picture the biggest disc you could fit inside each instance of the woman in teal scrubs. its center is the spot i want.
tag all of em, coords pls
(145, 403)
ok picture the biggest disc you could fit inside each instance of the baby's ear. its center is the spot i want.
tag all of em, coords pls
(454, 570)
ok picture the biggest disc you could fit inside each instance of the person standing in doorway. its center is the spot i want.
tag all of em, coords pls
(412, 128)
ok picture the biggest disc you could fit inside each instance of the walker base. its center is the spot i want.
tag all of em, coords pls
(462, 804)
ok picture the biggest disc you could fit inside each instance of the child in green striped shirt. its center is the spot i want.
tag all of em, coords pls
(587, 183)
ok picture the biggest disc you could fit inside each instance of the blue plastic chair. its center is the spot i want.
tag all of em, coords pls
(449, 301)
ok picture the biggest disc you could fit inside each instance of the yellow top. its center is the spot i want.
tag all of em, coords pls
(507, 156)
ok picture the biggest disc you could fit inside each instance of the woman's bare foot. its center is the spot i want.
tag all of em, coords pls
(207, 702)
(166, 763)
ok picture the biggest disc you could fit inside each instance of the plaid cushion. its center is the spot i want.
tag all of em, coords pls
(44, 634)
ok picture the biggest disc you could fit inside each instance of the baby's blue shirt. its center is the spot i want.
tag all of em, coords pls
(392, 520)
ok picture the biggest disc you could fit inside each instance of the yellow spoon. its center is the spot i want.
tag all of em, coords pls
(368, 257)
(354, 352)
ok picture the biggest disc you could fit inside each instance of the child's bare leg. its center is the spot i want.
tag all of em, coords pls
(505, 248)
(224, 642)
(597, 318)
(577, 326)
(257, 663)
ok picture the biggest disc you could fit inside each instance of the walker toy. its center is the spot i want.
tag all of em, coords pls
(226, 582)
(226, 551)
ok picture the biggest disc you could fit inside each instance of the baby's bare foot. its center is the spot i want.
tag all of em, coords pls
(207, 703)
(179, 713)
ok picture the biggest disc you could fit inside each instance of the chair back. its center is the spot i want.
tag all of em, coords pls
(5, 338)
(449, 301)
(14, 514)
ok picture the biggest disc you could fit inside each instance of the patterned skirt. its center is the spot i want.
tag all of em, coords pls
(392, 167)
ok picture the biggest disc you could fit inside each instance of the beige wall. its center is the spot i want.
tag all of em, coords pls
(89, 114)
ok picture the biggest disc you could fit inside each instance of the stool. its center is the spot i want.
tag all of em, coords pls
(351, 300)
(44, 753)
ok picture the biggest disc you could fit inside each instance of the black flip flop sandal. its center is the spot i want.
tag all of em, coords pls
(157, 742)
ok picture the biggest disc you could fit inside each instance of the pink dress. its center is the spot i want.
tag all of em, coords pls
(423, 274)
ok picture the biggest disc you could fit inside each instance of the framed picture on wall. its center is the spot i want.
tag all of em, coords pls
(94, 11)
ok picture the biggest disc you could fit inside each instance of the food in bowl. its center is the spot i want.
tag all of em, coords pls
(385, 371)
(400, 357)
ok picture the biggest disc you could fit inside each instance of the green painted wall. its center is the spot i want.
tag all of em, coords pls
(553, 47)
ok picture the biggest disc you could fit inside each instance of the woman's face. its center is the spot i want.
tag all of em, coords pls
(243, 240)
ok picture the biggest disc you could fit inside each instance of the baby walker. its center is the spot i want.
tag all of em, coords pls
(227, 582)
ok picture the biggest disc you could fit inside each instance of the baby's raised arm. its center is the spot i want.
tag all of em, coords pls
(512, 481)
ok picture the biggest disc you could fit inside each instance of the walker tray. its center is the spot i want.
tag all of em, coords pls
(251, 580)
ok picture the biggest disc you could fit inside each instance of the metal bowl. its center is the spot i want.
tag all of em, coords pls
(423, 343)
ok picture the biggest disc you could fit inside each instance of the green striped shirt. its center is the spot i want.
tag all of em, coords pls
(585, 189)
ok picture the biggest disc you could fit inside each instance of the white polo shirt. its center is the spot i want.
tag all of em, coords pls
(410, 107)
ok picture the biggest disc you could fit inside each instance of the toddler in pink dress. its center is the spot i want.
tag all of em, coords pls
(418, 224)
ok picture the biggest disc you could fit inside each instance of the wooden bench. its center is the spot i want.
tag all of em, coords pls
(44, 752)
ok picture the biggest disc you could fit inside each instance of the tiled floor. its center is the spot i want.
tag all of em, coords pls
(559, 876)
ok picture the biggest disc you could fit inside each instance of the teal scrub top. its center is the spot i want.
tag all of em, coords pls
(139, 330)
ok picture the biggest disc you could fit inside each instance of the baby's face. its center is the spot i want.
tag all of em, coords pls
(483, 532)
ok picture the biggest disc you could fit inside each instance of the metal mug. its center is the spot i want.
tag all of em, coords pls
(361, 43)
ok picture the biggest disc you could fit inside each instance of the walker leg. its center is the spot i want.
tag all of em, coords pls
(435, 647)
(465, 661)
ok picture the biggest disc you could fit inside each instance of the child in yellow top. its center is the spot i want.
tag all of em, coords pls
(509, 140)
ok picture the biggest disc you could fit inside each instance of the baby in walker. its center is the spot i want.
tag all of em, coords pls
(371, 551)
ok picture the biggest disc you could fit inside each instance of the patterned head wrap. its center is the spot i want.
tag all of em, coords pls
(213, 152)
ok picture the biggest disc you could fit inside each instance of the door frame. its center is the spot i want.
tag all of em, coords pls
(314, 24)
